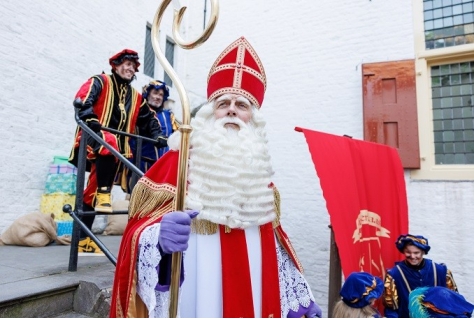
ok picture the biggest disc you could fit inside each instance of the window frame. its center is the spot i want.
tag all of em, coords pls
(166, 77)
(146, 56)
(424, 60)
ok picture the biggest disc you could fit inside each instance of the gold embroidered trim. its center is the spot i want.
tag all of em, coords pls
(367, 291)
(109, 101)
(233, 90)
(151, 200)
(390, 295)
(203, 227)
(276, 207)
(243, 45)
(429, 305)
(244, 52)
(405, 279)
(206, 227)
(288, 247)
(132, 271)
(450, 281)
(91, 85)
(413, 238)
(133, 109)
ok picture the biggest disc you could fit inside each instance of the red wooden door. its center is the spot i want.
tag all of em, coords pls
(389, 106)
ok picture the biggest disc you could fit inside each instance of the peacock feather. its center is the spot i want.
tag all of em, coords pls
(415, 306)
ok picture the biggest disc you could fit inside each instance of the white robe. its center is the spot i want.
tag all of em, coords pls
(201, 291)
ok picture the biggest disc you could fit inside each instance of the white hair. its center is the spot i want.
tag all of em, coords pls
(229, 171)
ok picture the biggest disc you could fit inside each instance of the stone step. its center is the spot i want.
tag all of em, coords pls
(35, 281)
(71, 314)
(85, 300)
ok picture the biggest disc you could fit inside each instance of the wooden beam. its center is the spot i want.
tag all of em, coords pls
(335, 275)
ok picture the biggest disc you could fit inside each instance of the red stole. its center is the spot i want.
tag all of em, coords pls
(237, 290)
(236, 282)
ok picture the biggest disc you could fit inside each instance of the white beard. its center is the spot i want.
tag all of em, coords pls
(229, 171)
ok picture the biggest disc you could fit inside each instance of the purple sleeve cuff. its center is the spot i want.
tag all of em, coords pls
(298, 314)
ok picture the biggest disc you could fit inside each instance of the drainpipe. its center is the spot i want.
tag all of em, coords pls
(204, 20)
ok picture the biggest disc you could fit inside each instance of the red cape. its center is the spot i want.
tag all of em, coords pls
(123, 296)
(147, 208)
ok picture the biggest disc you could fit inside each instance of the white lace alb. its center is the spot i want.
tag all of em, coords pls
(294, 289)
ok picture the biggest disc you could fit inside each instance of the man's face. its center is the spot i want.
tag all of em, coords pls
(413, 255)
(155, 97)
(233, 105)
(126, 70)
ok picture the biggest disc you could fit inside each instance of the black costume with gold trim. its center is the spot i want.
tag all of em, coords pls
(115, 104)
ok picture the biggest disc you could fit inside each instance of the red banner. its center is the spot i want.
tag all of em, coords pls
(364, 188)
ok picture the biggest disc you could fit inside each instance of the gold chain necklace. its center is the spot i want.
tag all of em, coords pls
(122, 92)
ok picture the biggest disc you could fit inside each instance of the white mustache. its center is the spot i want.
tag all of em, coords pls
(230, 120)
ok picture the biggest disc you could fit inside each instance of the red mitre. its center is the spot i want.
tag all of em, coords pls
(238, 70)
(118, 58)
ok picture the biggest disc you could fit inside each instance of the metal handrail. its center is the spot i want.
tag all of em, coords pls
(78, 211)
(117, 154)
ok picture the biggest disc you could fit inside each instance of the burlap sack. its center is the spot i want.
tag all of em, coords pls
(35, 230)
(116, 223)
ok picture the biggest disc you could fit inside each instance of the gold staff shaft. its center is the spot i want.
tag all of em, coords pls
(185, 128)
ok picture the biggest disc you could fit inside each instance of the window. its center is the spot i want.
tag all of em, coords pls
(169, 54)
(453, 120)
(149, 64)
(444, 64)
(448, 23)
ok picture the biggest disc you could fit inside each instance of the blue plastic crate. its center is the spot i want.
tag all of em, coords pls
(64, 227)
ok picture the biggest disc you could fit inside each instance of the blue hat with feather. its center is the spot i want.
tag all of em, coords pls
(157, 85)
(438, 302)
(360, 288)
(418, 241)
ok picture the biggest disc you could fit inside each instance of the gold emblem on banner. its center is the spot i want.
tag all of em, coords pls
(368, 231)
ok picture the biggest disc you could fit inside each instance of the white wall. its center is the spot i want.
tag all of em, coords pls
(47, 50)
(312, 52)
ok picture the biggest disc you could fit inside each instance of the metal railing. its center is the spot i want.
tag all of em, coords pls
(78, 211)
